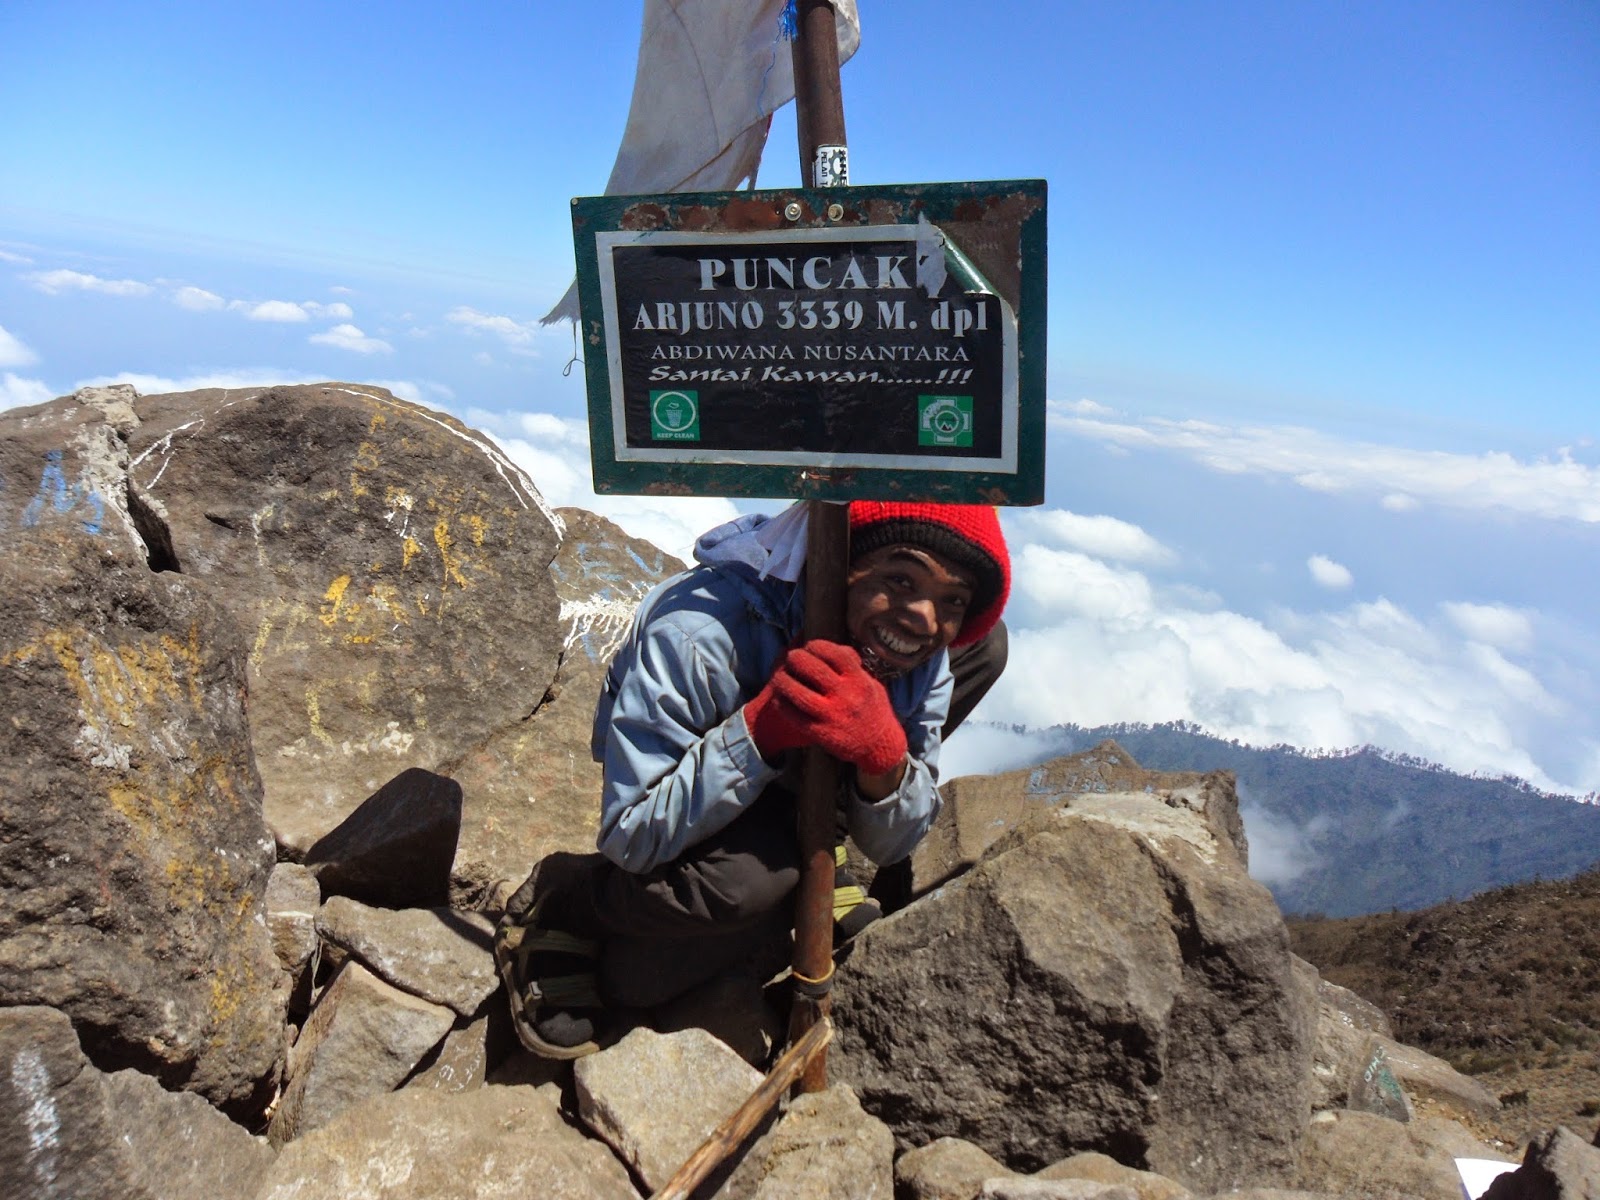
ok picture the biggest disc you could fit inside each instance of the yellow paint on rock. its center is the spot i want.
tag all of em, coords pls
(334, 597)
(446, 544)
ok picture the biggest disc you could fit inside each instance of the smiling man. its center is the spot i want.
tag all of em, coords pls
(698, 726)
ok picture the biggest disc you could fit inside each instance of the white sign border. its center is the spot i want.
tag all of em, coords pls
(606, 240)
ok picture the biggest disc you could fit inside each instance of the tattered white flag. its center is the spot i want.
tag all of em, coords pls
(711, 73)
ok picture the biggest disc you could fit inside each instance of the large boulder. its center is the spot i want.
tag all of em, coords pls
(532, 788)
(1107, 978)
(378, 556)
(980, 810)
(133, 852)
(66, 1129)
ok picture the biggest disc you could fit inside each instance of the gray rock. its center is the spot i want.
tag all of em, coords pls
(656, 1097)
(458, 1063)
(824, 1148)
(1425, 1077)
(980, 810)
(362, 1039)
(531, 787)
(1114, 983)
(492, 1143)
(1100, 1168)
(369, 547)
(947, 1168)
(1035, 1188)
(1343, 1027)
(441, 954)
(1373, 1087)
(133, 852)
(293, 897)
(66, 1130)
(1367, 1157)
(1558, 1165)
(396, 849)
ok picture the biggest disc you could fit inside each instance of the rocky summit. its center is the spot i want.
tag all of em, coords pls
(295, 677)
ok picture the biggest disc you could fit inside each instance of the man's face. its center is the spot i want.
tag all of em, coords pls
(903, 606)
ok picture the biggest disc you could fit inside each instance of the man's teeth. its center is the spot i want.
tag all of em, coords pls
(897, 645)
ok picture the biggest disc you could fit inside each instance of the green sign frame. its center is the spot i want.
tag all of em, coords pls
(883, 343)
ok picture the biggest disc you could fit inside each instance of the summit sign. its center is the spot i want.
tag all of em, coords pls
(853, 343)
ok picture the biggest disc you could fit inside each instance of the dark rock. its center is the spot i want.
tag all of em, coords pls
(375, 552)
(491, 1143)
(66, 1130)
(1558, 1165)
(396, 849)
(1113, 983)
(734, 1010)
(532, 788)
(133, 853)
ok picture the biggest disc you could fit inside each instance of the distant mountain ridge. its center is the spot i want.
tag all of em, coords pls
(1360, 831)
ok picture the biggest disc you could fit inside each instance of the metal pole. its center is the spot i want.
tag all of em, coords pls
(819, 116)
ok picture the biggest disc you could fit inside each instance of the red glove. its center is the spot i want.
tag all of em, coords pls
(774, 725)
(839, 706)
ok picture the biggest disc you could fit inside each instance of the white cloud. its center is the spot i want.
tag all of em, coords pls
(1101, 536)
(1492, 624)
(1094, 643)
(1081, 408)
(348, 337)
(16, 392)
(1329, 574)
(1559, 488)
(1280, 849)
(517, 336)
(13, 353)
(555, 453)
(418, 391)
(58, 281)
(155, 385)
(20, 260)
(197, 299)
(283, 311)
(337, 311)
(340, 290)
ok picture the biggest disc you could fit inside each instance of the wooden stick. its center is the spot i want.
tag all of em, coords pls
(819, 110)
(728, 1136)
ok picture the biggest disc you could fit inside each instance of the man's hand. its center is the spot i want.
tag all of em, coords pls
(841, 708)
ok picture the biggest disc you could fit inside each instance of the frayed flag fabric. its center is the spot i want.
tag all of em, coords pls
(710, 75)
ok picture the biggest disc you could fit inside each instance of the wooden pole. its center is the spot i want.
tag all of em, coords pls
(819, 118)
(727, 1137)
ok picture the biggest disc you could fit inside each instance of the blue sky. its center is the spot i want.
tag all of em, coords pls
(1324, 305)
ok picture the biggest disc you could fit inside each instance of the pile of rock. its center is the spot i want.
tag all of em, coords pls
(223, 972)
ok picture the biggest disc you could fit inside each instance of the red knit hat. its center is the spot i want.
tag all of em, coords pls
(968, 535)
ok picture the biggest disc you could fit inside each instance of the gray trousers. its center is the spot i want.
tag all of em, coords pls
(728, 901)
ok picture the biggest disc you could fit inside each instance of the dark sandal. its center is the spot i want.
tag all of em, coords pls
(542, 1001)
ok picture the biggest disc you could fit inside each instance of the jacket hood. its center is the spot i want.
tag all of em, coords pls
(732, 543)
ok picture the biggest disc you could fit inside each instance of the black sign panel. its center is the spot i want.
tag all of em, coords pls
(838, 358)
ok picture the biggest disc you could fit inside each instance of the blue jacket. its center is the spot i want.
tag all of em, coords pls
(670, 729)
